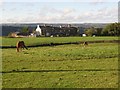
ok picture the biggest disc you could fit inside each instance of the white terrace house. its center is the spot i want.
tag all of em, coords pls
(38, 31)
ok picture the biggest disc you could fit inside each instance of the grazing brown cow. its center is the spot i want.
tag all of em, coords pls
(20, 45)
(85, 43)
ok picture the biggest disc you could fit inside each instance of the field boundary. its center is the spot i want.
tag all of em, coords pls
(56, 44)
(18, 71)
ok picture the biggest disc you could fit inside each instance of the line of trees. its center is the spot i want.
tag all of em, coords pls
(109, 30)
(112, 30)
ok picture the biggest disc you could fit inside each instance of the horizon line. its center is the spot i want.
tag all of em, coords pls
(56, 22)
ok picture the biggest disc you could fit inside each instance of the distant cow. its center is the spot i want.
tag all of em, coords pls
(85, 43)
(20, 45)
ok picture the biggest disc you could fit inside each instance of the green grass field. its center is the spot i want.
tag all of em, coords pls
(65, 66)
(47, 40)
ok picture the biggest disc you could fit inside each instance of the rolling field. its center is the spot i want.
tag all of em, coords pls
(65, 66)
(46, 40)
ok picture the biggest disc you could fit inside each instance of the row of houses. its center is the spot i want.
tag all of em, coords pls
(59, 31)
(50, 31)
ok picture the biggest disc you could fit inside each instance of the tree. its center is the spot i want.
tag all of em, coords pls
(25, 30)
(112, 30)
(98, 31)
(91, 31)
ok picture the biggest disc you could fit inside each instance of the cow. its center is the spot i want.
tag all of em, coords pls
(20, 45)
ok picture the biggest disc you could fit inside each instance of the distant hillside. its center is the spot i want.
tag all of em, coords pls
(7, 28)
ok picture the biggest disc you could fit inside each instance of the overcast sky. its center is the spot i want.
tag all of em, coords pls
(58, 11)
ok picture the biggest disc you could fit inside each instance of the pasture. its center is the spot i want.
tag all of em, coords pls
(46, 40)
(64, 66)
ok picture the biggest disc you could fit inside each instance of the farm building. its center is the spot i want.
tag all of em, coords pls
(59, 31)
